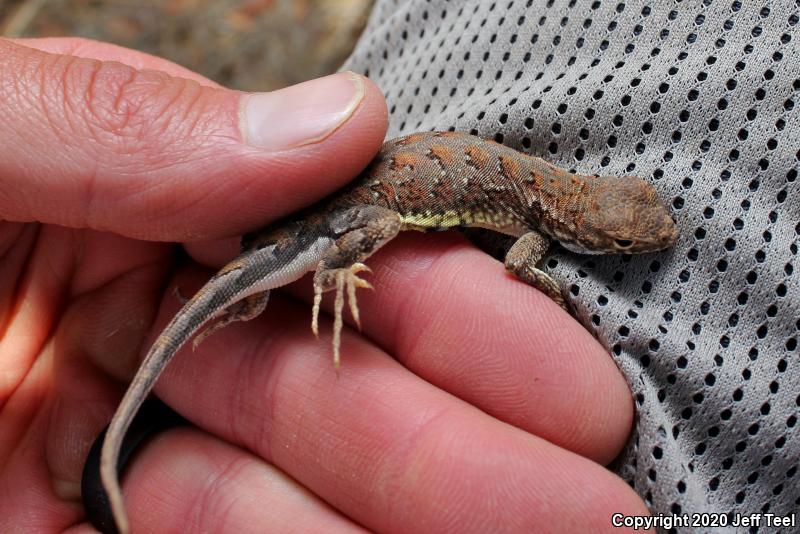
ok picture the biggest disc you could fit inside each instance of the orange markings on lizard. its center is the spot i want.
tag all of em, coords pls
(510, 167)
(401, 160)
(477, 157)
(442, 154)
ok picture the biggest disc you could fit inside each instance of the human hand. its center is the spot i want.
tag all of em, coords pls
(92, 152)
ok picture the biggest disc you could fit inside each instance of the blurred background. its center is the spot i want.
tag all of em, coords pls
(252, 45)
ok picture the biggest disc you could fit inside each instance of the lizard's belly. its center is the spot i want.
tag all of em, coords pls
(443, 220)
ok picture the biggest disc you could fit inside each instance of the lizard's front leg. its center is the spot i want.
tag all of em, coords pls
(365, 230)
(521, 260)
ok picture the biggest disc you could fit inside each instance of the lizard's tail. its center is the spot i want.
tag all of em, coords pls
(191, 318)
(240, 288)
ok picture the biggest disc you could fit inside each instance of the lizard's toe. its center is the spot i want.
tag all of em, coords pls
(341, 279)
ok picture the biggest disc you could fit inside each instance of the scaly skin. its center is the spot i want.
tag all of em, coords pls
(441, 180)
(425, 181)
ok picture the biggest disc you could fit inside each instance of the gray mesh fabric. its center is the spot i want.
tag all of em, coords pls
(701, 98)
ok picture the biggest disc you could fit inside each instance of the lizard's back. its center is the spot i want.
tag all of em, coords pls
(438, 180)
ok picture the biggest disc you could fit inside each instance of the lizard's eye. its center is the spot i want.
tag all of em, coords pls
(623, 243)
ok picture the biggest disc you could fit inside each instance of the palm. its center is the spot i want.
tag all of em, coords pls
(77, 305)
(244, 386)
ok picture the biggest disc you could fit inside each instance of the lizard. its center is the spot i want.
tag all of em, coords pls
(425, 182)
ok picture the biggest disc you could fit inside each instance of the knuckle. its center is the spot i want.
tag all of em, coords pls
(117, 108)
(127, 111)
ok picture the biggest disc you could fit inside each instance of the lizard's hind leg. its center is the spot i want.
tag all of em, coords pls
(243, 310)
(366, 229)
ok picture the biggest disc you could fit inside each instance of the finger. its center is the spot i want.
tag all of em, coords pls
(454, 316)
(384, 447)
(89, 49)
(149, 155)
(54, 399)
(188, 481)
(61, 402)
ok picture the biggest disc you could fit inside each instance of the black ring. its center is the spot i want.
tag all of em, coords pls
(152, 418)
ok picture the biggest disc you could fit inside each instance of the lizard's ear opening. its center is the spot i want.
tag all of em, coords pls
(624, 243)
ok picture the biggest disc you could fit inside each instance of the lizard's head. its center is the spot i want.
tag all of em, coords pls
(624, 215)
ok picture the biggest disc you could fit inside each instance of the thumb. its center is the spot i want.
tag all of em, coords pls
(100, 144)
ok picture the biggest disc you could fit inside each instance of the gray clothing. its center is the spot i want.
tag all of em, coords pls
(702, 99)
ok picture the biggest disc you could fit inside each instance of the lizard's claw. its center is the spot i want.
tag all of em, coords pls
(183, 299)
(203, 334)
(338, 279)
(353, 281)
(359, 267)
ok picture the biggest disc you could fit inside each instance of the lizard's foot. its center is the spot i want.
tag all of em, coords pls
(363, 230)
(338, 279)
(243, 310)
(521, 260)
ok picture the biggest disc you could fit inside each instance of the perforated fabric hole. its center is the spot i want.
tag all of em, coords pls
(701, 99)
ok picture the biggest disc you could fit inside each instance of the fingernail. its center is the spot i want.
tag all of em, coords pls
(301, 114)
